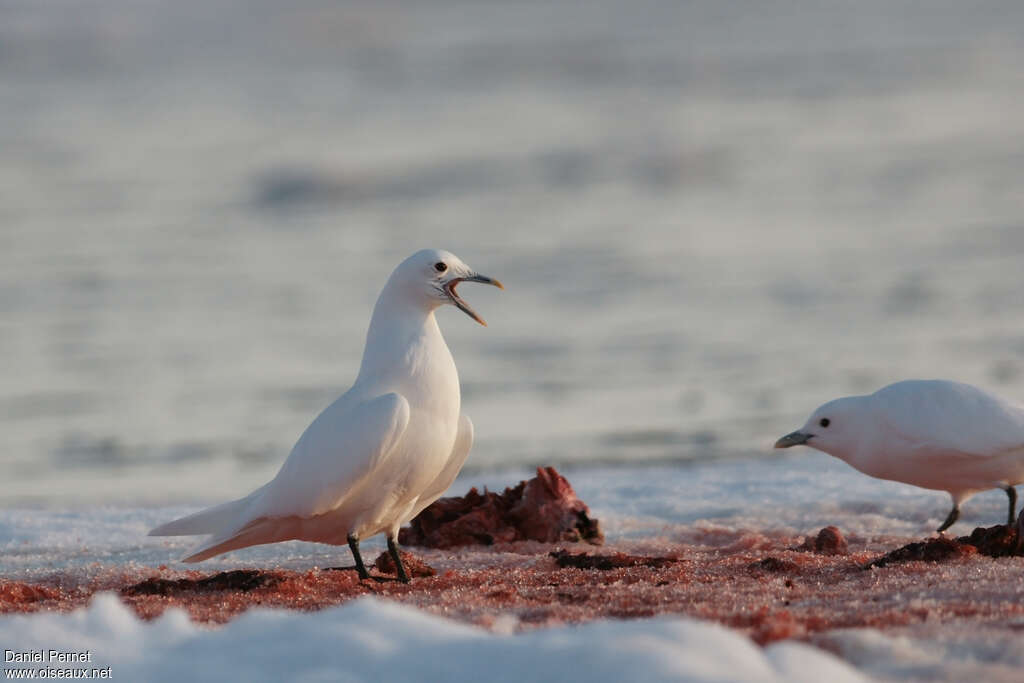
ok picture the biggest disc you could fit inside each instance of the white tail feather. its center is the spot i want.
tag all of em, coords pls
(257, 532)
(210, 521)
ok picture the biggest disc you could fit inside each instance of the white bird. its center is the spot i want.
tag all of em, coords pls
(383, 451)
(935, 434)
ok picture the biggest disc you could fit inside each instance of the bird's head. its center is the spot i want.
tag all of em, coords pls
(430, 277)
(835, 428)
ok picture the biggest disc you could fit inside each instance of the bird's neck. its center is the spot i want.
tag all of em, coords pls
(405, 350)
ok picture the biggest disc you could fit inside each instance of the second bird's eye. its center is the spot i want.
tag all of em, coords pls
(825, 422)
(440, 266)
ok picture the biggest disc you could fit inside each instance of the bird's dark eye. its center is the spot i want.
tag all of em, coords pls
(825, 422)
(440, 266)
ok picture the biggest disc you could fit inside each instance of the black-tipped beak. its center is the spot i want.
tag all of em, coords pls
(449, 288)
(793, 439)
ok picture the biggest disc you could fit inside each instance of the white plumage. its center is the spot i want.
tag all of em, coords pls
(383, 451)
(935, 434)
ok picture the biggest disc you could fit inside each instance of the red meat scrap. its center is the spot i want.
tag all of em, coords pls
(544, 509)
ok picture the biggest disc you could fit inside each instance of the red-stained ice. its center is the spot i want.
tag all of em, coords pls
(769, 585)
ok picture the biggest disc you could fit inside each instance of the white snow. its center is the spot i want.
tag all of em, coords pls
(973, 652)
(372, 640)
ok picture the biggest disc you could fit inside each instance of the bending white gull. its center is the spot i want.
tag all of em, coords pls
(935, 434)
(383, 451)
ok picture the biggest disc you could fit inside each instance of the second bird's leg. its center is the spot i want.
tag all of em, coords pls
(954, 514)
(399, 567)
(353, 544)
(1012, 495)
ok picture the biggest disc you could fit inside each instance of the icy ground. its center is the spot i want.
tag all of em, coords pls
(789, 494)
(794, 493)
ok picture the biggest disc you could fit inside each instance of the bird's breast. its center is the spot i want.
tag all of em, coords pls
(431, 382)
(418, 365)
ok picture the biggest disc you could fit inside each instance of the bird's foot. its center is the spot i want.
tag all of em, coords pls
(363, 574)
(388, 579)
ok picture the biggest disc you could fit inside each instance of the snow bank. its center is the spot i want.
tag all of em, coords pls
(372, 640)
(934, 652)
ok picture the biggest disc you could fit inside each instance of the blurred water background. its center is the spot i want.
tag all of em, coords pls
(710, 217)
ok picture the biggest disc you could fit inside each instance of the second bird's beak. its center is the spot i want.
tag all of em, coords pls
(793, 439)
(449, 288)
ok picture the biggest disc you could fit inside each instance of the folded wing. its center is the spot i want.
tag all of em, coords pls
(940, 415)
(341, 447)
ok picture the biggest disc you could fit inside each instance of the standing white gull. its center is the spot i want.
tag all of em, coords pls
(379, 454)
(935, 434)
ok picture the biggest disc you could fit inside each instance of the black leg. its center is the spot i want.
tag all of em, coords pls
(353, 544)
(399, 567)
(954, 514)
(1012, 495)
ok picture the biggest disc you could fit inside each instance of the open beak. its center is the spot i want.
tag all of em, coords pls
(449, 288)
(793, 439)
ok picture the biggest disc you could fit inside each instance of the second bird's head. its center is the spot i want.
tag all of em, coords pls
(837, 428)
(430, 277)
